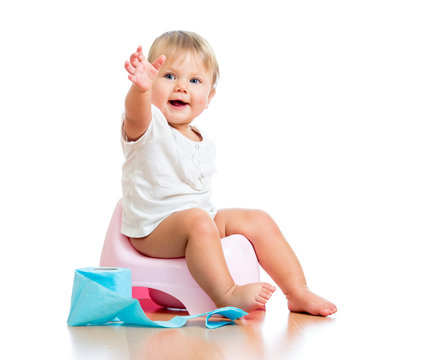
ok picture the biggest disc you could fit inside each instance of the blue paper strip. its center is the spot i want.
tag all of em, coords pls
(102, 295)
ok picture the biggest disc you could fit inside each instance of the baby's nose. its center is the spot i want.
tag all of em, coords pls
(181, 86)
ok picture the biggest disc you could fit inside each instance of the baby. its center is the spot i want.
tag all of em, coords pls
(166, 181)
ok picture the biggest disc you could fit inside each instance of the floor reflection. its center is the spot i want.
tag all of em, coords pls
(259, 335)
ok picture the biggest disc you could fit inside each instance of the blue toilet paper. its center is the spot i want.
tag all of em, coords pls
(101, 295)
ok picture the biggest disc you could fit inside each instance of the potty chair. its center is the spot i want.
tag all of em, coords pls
(168, 282)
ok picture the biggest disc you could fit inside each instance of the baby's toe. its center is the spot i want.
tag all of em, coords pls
(325, 312)
(265, 294)
(328, 310)
(269, 287)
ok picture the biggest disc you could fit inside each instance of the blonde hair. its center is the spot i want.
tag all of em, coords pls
(172, 43)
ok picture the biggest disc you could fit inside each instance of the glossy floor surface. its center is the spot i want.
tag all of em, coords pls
(272, 334)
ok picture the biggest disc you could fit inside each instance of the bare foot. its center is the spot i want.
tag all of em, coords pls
(306, 301)
(248, 297)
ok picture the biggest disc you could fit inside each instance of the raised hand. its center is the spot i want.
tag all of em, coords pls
(140, 71)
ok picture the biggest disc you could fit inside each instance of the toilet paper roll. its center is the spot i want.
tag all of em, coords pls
(102, 295)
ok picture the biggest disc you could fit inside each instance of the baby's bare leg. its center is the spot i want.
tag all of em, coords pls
(275, 256)
(193, 234)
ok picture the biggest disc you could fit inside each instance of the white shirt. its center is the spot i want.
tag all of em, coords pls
(164, 172)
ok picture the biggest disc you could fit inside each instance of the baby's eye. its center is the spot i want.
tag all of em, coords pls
(195, 81)
(170, 77)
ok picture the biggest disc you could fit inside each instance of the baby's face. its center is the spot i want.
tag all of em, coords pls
(183, 89)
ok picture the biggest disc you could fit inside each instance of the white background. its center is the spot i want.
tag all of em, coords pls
(317, 119)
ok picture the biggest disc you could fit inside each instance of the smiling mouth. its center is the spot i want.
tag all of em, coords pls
(178, 103)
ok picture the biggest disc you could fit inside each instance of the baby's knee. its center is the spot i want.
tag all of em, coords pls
(260, 221)
(199, 222)
(259, 217)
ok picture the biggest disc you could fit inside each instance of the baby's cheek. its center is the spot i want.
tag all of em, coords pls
(203, 102)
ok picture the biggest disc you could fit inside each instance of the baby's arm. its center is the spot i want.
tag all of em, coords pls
(138, 101)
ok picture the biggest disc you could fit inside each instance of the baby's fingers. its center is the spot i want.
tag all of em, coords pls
(129, 68)
(131, 71)
(137, 57)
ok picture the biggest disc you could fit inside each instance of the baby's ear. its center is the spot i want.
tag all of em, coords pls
(211, 95)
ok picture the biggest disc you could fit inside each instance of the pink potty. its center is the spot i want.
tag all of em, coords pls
(169, 281)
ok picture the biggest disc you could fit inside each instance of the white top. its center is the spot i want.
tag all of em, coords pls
(164, 172)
